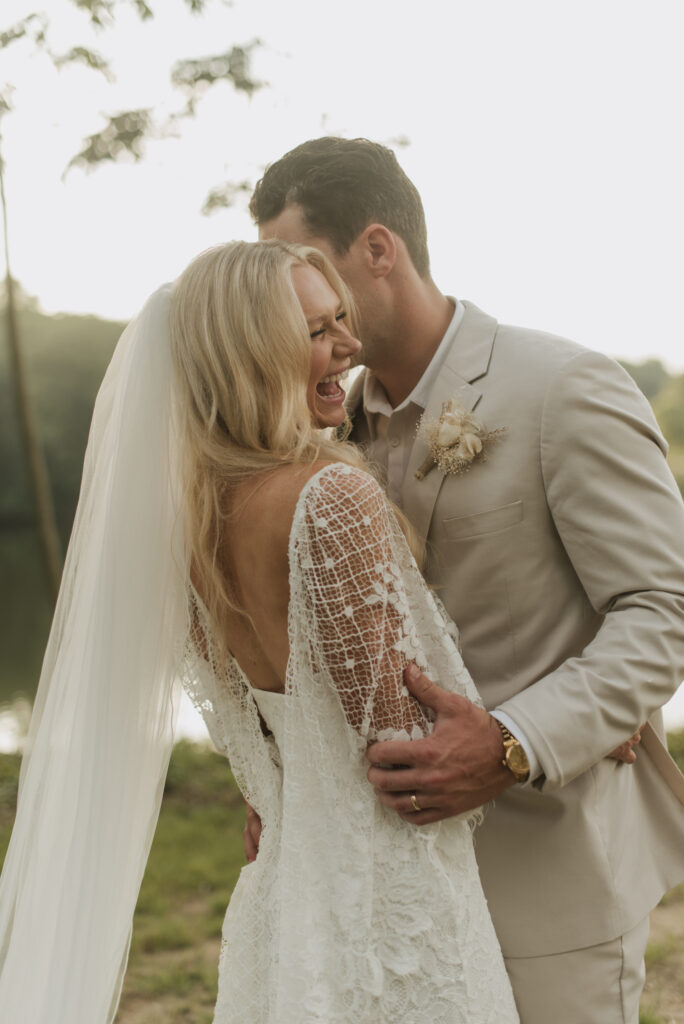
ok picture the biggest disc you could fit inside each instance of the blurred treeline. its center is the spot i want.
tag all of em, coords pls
(665, 392)
(66, 357)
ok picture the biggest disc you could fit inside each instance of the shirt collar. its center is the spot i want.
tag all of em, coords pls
(374, 397)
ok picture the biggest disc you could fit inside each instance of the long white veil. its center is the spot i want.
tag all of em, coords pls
(101, 732)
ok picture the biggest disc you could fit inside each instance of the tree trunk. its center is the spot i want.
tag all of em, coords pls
(46, 522)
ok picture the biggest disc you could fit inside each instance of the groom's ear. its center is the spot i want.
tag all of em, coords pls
(378, 248)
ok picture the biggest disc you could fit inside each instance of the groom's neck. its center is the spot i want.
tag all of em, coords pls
(419, 322)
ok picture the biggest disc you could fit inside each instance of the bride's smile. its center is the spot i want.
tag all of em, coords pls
(332, 344)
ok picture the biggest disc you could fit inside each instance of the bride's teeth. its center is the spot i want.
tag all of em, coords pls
(332, 378)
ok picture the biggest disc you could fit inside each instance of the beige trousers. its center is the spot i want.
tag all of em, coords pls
(598, 985)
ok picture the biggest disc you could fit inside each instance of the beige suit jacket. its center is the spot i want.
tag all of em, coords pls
(561, 559)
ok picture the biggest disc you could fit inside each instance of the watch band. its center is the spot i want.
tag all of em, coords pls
(515, 758)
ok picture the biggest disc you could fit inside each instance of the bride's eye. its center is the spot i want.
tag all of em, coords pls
(321, 331)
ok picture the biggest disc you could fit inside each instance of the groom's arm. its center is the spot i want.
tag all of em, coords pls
(620, 518)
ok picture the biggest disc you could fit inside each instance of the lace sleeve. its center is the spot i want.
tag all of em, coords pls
(353, 602)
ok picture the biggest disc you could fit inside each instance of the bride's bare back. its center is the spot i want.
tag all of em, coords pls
(254, 556)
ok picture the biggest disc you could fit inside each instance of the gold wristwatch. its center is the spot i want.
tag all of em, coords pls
(514, 757)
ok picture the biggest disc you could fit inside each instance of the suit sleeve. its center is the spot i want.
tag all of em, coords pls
(620, 517)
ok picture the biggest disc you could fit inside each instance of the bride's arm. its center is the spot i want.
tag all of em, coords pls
(352, 606)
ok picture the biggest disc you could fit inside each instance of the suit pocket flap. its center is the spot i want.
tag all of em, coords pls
(461, 527)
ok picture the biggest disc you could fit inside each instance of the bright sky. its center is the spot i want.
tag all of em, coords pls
(545, 139)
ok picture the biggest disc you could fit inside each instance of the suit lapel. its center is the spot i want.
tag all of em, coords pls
(467, 361)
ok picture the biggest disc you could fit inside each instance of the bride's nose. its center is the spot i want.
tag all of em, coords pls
(346, 344)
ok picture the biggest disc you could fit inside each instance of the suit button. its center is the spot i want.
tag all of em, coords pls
(395, 442)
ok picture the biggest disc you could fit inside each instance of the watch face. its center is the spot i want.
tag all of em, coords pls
(517, 760)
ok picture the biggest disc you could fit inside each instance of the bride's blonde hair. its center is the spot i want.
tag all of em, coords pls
(241, 348)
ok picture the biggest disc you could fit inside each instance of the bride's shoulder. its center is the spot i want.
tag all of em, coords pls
(341, 497)
(336, 485)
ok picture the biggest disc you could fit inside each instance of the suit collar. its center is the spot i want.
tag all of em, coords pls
(468, 361)
(465, 364)
(471, 351)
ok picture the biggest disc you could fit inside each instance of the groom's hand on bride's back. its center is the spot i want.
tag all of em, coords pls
(457, 768)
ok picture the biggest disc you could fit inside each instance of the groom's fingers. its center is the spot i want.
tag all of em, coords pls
(399, 780)
(394, 755)
(425, 691)
(433, 806)
(403, 804)
(419, 753)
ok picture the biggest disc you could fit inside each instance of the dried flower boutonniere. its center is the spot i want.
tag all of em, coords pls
(455, 440)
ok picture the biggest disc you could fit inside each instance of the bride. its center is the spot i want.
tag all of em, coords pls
(221, 534)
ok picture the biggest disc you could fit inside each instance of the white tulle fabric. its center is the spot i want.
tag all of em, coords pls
(101, 732)
(349, 915)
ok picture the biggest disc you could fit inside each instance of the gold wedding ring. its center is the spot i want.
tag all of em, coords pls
(414, 803)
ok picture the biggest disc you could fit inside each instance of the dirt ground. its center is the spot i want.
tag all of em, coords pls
(664, 992)
(662, 1003)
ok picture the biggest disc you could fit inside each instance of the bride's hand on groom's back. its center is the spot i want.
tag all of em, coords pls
(252, 833)
(626, 752)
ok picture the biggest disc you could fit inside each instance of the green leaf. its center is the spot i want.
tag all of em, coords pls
(5, 101)
(234, 66)
(82, 55)
(224, 196)
(124, 133)
(144, 11)
(33, 26)
(100, 12)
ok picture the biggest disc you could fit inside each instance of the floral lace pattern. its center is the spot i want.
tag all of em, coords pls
(349, 915)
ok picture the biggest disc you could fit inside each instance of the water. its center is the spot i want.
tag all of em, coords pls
(14, 720)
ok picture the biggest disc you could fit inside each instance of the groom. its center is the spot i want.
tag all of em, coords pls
(559, 552)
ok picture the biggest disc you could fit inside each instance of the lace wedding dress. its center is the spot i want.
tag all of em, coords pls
(349, 915)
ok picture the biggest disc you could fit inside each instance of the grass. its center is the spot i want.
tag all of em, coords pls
(675, 741)
(675, 895)
(648, 1017)
(194, 863)
(659, 952)
(663, 998)
(195, 859)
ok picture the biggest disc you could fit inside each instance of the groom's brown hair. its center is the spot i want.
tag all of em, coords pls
(342, 186)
